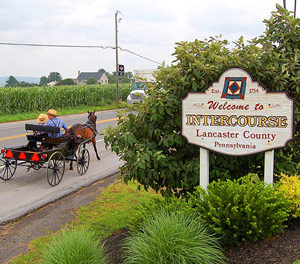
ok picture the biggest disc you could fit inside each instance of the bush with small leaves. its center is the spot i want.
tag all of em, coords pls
(290, 185)
(241, 210)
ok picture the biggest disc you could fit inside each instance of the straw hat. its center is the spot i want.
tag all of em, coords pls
(42, 118)
(52, 112)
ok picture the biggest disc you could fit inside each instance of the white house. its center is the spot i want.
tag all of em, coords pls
(100, 77)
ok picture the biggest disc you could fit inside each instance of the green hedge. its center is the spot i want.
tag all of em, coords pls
(30, 99)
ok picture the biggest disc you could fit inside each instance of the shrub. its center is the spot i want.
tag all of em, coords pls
(67, 81)
(290, 185)
(74, 246)
(91, 81)
(173, 238)
(241, 210)
(155, 205)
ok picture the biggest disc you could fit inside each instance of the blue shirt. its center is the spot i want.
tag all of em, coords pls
(56, 122)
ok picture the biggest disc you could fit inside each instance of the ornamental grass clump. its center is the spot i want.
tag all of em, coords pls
(74, 246)
(241, 210)
(290, 186)
(173, 238)
(152, 206)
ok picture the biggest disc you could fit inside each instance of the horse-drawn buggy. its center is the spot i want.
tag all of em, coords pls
(50, 153)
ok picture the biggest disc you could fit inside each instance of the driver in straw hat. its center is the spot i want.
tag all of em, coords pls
(55, 121)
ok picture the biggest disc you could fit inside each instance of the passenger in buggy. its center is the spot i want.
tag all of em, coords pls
(41, 121)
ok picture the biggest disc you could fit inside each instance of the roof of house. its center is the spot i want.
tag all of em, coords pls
(90, 75)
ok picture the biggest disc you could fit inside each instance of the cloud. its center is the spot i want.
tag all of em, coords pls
(146, 28)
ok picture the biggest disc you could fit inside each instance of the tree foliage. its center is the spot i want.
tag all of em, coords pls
(67, 81)
(122, 79)
(12, 82)
(54, 76)
(43, 81)
(26, 84)
(91, 81)
(150, 142)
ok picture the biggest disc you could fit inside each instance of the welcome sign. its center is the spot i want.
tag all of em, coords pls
(237, 116)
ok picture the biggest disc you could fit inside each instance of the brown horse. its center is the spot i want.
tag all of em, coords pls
(85, 133)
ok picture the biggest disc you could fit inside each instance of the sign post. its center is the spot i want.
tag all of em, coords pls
(204, 167)
(269, 166)
(237, 116)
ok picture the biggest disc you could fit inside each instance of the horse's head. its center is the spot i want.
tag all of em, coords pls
(92, 117)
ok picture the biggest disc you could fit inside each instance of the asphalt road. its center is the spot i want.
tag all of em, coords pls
(28, 191)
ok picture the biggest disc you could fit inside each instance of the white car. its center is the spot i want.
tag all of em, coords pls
(137, 93)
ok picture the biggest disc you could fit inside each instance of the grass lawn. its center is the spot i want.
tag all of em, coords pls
(111, 212)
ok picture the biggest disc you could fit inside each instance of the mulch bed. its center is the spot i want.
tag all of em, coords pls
(280, 249)
(114, 246)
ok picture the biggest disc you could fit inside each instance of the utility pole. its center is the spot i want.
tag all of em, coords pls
(295, 5)
(117, 59)
(284, 4)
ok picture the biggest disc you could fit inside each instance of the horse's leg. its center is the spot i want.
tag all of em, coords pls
(95, 148)
(71, 165)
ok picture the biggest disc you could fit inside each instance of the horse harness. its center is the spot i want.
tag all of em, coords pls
(82, 127)
(91, 125)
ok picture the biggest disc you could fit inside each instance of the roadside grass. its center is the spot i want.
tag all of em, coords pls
(113, 209)
(64, 111)
(109, 213)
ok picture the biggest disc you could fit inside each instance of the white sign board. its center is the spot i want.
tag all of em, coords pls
(237, 116)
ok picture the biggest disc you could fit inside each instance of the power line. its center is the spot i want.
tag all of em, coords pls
(55, 45)
(139, 55)
(75, 46)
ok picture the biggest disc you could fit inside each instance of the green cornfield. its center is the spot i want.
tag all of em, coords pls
(30, 99)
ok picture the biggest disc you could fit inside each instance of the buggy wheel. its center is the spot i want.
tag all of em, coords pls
(83, 161)
(55, 168)
(7, 168)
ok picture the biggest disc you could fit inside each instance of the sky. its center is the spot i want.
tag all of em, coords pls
(147, 31)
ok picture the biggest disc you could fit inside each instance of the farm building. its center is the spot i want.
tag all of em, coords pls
(100, 77)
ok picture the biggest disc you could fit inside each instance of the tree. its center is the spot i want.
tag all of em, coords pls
(67, 81)
(112, 77)
(12, 82)
(102, 70)
(126, 77)
(54, 76)
(122, 79)
(26, 84)
(149, 141)
(43, 81)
